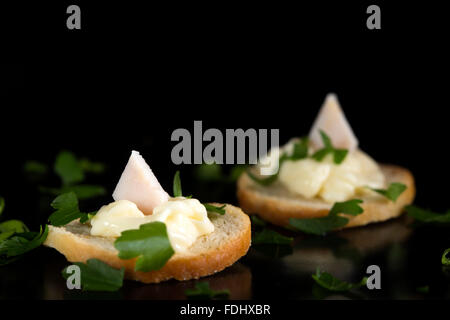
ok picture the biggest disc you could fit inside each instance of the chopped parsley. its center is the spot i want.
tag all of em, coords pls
(338, 154)
(427, 216)
(16, 244)
(220, 210)
(329, 282)
(257, 221)
(446, 257)
(67, 210)
(72, 173)
(150, 244)
(268, 236)
(424, 289)
(2, 205)
(95, 275)
(177, 192)
(68, 168)
(394, 190)
(320, 226)
(202, 291)
(16, 239)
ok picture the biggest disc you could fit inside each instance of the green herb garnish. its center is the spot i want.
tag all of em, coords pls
(446, 258)
(2, 205)
(35, 168)
(10, 227)
(424, 289)
(67, 210)
(16, 239)
(327, 281)
(338, 154)
(394, 190)
(257, 221)
(264, 181)
(427, 216)
(236, 172)
(203, 291)
(68, 168)
(213, 173)
(211, 208)
(150, 243)
(91, 166)
(16, 226)
(320, 226)
(18, 244)
(83, 191)
(300, 150)
(95, 275)
(209, 172)
(177, 192)
(268, 236)
(71, 171)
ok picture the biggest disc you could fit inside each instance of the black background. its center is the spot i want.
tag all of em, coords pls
(135, 73)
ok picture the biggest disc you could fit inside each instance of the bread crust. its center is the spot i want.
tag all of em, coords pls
(279, 208)
(180, 266)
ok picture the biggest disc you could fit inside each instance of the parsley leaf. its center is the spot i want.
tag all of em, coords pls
(300, 151)
(21, 243)
(90, 166)
(394, 190)
(98, 276)
(68, 168)
(203, 291)
(213, 173)
(338, 154)
(257, 221)
(424, 289)
(327, 281)
(35, 168)
(177, 192)
(236, 172)
(2, 205)
(264, 181)
(6, 234)
(268, 236)
(67, 210)
(209, 172)
(211, 208)
(446, 257)
(427, 216)
(150, 243)
(83, 191)
(10, 227)
(88, 216)
(320, 226)
(13, 225)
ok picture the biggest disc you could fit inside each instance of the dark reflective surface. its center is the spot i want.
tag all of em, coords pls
(409, 257)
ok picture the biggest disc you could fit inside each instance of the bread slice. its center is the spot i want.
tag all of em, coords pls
(209, 254)
(276, 204)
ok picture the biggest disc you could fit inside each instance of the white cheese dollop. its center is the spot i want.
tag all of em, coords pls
(185, 220)
(329, 181)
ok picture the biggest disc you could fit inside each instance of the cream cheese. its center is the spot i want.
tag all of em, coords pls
(329, 181)
(185, 220)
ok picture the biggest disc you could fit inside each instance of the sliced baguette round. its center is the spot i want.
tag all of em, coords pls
(209, 254)
(277, 205)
